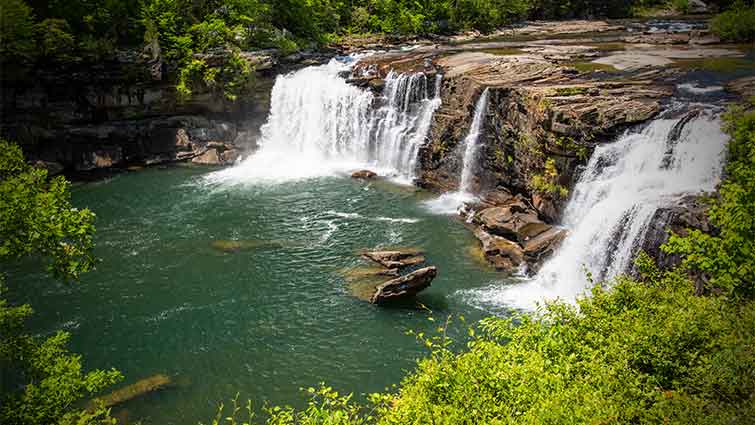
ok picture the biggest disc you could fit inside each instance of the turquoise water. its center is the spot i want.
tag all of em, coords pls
(264, 320)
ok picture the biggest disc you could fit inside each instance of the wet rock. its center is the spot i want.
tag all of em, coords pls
(209, 157)
(405, 286)
(503, 254)
(515, 219)
(363, 174)
(546, 206)
(689, 212)
(397, 259)
(543, 245)
(230, 156)
(358, 273)
(377, 85)
(744, 87)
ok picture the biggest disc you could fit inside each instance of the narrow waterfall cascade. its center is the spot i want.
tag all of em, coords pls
(611, 206)
(320, 125)
(450, 203)
(471, 144)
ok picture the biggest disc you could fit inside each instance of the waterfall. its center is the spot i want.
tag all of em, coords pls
(450, 203)
(623, 185)
(471, 145)
(320, 125)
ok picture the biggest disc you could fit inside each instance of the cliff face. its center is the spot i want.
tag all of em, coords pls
(115, 114)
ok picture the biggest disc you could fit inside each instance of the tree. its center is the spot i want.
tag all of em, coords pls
(16, 29)
(42, 380)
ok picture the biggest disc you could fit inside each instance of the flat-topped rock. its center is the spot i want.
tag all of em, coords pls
(396, 258)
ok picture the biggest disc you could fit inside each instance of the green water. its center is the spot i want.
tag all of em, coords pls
(265, 320)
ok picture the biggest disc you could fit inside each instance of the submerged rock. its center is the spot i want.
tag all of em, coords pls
(138, 389)
(232, 246)
(405, 286)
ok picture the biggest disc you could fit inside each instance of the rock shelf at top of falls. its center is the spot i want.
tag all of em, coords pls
(542, 118)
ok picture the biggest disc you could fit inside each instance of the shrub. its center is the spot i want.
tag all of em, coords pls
(736, 24)
(16, 29)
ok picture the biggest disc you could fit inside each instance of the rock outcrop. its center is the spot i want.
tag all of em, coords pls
(542, 121)
(512, 234)
(690, 212)
(125, 112)
(407, 266)
(404, 286)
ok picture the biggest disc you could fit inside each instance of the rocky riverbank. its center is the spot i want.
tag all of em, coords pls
(551, 102)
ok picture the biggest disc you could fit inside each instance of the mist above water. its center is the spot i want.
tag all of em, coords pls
(320, 125)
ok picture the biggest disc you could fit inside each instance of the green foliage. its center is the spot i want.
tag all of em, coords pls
(54, 39)
(727, 260)
(325, 407)
(37, 219)
(547, 183)
(736, 24)
(16, 30)
(647, 352)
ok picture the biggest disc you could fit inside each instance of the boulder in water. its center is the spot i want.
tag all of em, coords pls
(503, 254)
(544, 244)
(516, 219)
(363, 175)
(405, 286)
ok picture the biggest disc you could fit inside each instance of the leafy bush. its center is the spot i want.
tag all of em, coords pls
(647, 352)
(16, 30)
(547, 183)
(45, 381)
(736, 24)
(727, 261)
(54, 39)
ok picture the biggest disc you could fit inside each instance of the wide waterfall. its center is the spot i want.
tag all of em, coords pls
(320, 125)
(450, 203)
(623, 185)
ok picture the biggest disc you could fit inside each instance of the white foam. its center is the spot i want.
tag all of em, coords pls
(617, 195)
(693, 88)
(321, 126)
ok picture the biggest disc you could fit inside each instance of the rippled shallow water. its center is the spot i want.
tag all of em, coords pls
(264, 320)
